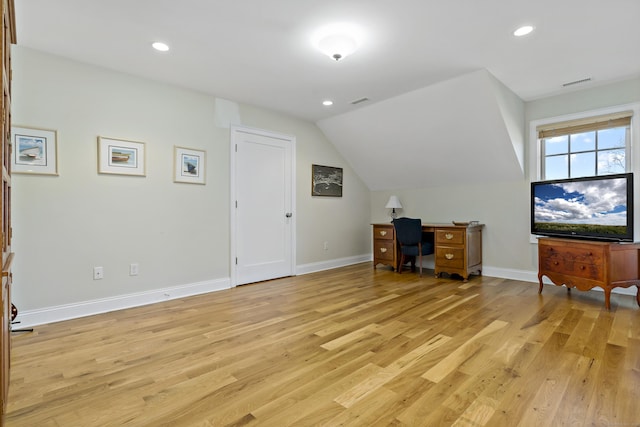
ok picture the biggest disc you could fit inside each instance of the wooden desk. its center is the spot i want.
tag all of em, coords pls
(457, 248)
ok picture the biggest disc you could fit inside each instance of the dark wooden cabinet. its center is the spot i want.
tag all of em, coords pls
(586, 264)
(8, 37)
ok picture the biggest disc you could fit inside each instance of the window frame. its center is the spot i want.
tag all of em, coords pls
(596, 151)
(632, 154)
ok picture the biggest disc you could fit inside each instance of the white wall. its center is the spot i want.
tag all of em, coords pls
(178, 233)
(504, 206)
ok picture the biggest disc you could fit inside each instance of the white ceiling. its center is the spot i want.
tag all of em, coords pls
(428, 67)
(259, 52)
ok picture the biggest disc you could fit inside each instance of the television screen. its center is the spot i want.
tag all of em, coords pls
(599, 207)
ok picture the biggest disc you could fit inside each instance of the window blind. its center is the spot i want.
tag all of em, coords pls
(586, 124)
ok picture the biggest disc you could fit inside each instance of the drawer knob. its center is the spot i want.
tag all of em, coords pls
(383, 250)
(448, 236)
(582, 267)
(383, 233)
(448, 256)
(555, 262)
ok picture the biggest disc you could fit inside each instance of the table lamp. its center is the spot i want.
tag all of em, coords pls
(392, 204)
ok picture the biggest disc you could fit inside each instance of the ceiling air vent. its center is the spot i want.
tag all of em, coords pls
(358, 101)
(577, 82)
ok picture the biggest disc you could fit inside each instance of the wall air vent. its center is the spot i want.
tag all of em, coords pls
(577, 82)
(361, 100)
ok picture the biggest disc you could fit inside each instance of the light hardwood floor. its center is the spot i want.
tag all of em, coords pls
(351, 346)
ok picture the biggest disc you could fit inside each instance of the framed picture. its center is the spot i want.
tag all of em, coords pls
(122, 157)
(188, 165)
(34, 151)
(326, 181)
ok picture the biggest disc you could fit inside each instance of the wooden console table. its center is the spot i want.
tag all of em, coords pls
(458, 248)
(585, 264)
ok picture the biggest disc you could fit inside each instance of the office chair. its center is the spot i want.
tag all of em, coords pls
(412, 243)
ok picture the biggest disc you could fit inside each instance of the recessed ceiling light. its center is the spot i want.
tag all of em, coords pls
(162, 47)
(327, 102)
(523, 31)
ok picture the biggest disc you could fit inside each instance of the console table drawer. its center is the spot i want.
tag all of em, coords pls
(578, 254)
(450, 236)
(578, 261)
(573, 268)
(448, 257)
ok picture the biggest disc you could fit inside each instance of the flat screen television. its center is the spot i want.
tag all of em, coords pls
(596, 207)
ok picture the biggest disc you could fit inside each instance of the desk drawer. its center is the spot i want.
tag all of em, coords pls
(384, 250)
(385, 232)
(450, 236)
(449, 257)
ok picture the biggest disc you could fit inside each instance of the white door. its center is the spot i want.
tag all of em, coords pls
(262, 205)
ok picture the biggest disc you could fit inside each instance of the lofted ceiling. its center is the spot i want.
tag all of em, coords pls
(414, 54)
(466, 128)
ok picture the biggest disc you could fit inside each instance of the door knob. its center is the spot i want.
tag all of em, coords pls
(288, 215)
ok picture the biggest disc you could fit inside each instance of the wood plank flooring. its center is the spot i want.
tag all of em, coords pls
(352, 346)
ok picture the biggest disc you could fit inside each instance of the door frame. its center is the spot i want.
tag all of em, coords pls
(235, 130)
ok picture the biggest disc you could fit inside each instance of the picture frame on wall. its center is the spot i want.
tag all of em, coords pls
(189, 165)
(121, 157)
(35, 150)
(326, 181)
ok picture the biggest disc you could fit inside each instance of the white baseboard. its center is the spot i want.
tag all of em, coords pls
(332, 263)
(532, 276)
(509, 273)
(29, 318)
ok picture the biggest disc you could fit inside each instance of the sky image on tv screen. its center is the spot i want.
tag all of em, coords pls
(601, 202)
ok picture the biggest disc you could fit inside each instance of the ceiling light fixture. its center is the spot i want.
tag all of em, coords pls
(162, 47)
(327, 103)
(523, 31)
(337, 41)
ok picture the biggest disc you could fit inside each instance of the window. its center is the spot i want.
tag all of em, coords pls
(585, 147)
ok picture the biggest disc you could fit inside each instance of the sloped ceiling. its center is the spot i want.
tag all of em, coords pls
(470, 128)
(259, 52)
(446, 79)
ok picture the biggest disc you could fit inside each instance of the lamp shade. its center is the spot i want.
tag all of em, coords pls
(393, 203)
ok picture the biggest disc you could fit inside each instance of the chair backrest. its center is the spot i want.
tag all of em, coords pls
(408, 230)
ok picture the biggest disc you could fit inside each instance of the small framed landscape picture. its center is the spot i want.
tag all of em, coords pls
(122, 157)
(189, 165)
(326, 181)
(35, 151)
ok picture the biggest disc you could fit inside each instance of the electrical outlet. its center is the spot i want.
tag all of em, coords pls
(326, 246)
(133, 269)
(98, 273)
